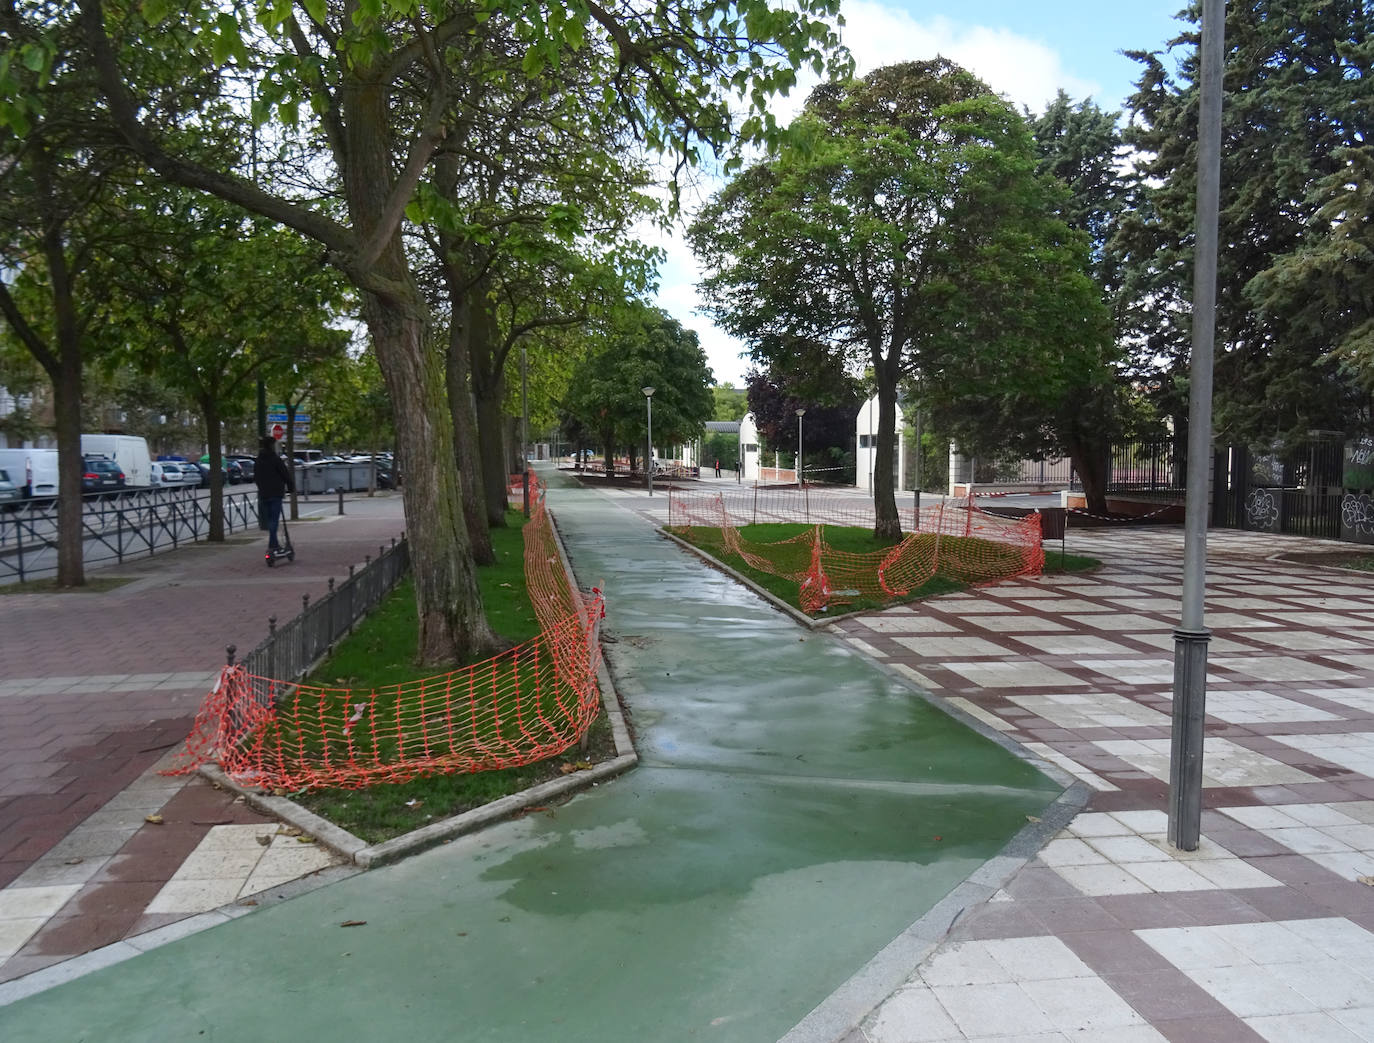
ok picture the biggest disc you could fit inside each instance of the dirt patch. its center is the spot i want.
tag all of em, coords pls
(1355, 560)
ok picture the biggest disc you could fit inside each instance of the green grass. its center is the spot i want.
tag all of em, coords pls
(795, 558)
(379, 654)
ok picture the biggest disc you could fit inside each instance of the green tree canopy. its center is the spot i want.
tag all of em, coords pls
(1298, 105)
(904, 227)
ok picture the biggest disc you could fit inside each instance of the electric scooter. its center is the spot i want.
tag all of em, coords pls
(285, 550)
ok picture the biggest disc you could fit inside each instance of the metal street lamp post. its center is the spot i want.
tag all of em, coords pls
(524, 431)
(800, 414)
(1191, 636)
(649, 449)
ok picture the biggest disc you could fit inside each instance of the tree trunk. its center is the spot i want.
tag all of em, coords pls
(214, 430)
(71, 568)
(887, 524)
(465, 441)
(1091, 463)
(453, 627)
(489, 389)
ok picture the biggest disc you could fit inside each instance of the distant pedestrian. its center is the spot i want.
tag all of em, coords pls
(738, 474)
(717, 467)
(273, 479)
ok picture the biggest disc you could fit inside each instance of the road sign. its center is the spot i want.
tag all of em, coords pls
(279, 431)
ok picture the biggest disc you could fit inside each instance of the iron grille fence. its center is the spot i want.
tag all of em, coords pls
(136, 524)
(291, 650)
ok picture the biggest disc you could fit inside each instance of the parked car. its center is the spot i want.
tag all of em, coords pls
(190, 473)
(247, 466)
(101, 475)
(10, 494)
(233, 472)
(197, 474)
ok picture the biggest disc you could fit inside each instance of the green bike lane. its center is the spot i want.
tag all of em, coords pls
(795, 809)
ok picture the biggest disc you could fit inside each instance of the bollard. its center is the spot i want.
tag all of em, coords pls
(229, 654)
(271, 625)
(341, 499)
(331, 584)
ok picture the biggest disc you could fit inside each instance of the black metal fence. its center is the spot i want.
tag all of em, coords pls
(114, 530)
(292, 649)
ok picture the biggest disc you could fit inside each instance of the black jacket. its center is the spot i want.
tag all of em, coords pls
(271, 475)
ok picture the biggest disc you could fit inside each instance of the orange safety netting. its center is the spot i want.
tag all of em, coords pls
(524, 705)
(955, 540)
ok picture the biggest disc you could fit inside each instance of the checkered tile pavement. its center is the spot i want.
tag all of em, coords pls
(1267, 930)
(97, 691)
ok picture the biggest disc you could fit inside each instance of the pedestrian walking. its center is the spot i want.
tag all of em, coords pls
(717, 467)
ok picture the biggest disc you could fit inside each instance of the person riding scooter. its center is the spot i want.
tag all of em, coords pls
(273, 479)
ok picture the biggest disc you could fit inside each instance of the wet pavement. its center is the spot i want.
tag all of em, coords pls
(792, 814)
(759, 879)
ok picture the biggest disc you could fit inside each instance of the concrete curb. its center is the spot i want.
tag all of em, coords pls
(360, 853)
(844, 1010)
(798, 615)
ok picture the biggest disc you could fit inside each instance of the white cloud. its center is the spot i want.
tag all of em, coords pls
(1027, 72)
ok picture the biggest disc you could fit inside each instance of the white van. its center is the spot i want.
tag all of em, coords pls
(128, 451)
(33, 470)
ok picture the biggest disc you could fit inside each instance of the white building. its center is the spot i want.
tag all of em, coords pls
(749, 448)
(866, 453)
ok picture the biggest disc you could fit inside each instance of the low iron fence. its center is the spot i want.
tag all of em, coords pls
(292, 649)
(114, 530)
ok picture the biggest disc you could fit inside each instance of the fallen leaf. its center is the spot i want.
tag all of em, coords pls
(1368, 881)
(462, 934)
(353, 923)
(263, 840)
(279, 792)
(414, 803)
(937, 837)
(566, 769)
(288, 831)
(305, 840)
(249, 901)
(154, 819)
(1032, 818)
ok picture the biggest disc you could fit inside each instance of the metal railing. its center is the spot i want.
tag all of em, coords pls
(292, 649)
(137, 524)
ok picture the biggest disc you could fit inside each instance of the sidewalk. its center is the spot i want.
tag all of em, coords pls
(97, 691)
(1267, 930)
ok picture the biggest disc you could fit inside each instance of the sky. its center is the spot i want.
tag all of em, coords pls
(1024, 50)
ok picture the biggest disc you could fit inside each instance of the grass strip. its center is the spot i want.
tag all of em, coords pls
(780, 542)
(380, 653)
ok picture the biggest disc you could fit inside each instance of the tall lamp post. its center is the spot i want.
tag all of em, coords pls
(800, 414)
(1191, 635)
(649, 449)
(524, 431)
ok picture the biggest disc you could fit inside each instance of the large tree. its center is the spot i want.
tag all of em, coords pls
(1299, 96)
(636, 347)
(904, 226)
(60, 203)
(385, 83)
(211, 297)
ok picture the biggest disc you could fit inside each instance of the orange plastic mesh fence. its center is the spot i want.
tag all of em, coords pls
(524, 705)
(955, 540)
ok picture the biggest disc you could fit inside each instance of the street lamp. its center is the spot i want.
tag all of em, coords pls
(649, 454)
(800, 414)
